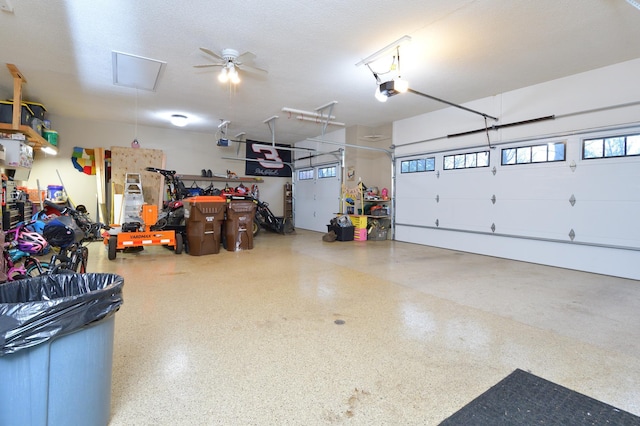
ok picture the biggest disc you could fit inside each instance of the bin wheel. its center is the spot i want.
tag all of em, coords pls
(113, 244)
(179, 243)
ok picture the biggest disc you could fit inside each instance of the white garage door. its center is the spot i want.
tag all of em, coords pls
(317, 196)
(571, 201)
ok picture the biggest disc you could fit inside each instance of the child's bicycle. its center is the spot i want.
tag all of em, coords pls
(69, 232)
(19, 247)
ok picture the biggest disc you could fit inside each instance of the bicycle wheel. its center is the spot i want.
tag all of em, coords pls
(36, 268)
(84, 258)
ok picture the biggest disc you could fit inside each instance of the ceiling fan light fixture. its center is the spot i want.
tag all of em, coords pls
(179, 120)
(233, 75)
(223, 77)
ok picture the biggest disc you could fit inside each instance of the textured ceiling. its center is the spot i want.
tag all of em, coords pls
(461, 50)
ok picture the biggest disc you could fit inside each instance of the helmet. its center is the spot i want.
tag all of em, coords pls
(62, 231)
(32, 243)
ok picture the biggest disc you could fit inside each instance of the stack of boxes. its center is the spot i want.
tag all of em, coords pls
(360, 227)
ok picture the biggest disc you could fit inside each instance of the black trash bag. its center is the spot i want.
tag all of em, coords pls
(38, 309)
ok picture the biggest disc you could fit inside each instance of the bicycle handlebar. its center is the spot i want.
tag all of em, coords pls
(73, 213)
(61, 209)
(161, 171)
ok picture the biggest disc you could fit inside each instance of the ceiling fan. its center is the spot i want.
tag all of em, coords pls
(230, 62)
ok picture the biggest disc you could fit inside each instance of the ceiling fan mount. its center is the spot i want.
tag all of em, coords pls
(229, 55)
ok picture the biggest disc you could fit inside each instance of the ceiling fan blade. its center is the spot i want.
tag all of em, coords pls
(208, 65)
(246, 56)
(252, 69)
(210, 52)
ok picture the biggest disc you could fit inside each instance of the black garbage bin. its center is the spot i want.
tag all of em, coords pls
(56, 348)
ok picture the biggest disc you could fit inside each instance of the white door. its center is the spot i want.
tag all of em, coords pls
(317, 196)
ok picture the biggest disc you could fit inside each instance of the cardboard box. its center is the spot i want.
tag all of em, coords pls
(17, 153)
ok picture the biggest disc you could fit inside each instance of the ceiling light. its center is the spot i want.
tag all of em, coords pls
(379, 96)
(400, 85)
(179, 120)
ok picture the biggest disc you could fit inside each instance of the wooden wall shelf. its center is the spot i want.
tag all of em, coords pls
(33, 137)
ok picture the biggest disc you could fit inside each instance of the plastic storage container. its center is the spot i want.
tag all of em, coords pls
(204, 217)
(239, 224)
(6, 113)
(56, 349)
(55, 193)
(51, 136)
(343, 233)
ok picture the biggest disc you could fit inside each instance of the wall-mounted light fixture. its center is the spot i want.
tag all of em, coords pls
(49, 150)
(179, 120)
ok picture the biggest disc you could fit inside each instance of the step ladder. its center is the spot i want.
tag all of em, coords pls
(133, 198)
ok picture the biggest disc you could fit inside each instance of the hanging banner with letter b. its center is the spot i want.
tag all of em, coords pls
(265, 159)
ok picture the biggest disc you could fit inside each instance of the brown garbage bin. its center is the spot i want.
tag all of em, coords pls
(204, 217)
(239, 224)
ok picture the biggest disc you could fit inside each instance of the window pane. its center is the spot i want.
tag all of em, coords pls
(483, 159)
(430, 164)
(523, 155)
(556, 152)
(470, 160)
(420, 166)
(413, 166)
(448, 162)
(633, 145)
(594, 148)
(404, 167)
(614, 147)
(538, 153)
(508, 156)
(458, 162)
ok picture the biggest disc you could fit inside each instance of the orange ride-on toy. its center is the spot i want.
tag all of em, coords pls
(137, 235)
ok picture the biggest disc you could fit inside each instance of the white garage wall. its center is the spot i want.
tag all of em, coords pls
(532, 216)
(186, 152)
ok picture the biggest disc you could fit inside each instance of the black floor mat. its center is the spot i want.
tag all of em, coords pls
(522, 398)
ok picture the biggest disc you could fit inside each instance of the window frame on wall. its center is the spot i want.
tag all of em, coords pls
(418, 165)
(466, 160)
(611, 147)
(533, 154)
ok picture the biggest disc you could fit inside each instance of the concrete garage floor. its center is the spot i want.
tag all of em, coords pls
(298, 331)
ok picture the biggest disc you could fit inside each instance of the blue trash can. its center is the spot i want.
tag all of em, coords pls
(56, 349)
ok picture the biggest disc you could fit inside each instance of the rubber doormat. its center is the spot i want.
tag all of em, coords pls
(522, 398)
